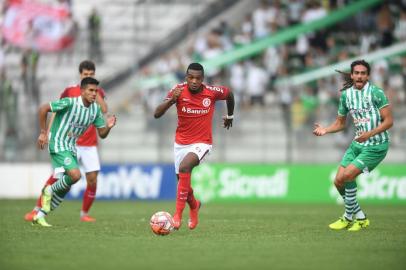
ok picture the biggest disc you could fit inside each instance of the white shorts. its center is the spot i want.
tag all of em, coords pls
(88, 157)
(181, 150)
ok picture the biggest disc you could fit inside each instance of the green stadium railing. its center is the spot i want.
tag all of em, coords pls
(392, 51)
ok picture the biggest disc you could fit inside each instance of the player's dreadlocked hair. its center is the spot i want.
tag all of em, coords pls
(348, 82)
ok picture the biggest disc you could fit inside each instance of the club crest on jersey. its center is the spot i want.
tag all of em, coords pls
(206, 102)
(67, 161)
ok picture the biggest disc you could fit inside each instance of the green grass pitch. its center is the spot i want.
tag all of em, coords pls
(229, 236)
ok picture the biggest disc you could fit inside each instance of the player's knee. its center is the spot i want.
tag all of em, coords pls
(339, 181)
(185, 169)
(75, 176)
(347, 176)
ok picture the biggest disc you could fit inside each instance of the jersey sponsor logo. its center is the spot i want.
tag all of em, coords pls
(206, 102)
(361, 110)
(72, 134)
(76, 125)
(362, 120)
(215, 88)
(195, 111)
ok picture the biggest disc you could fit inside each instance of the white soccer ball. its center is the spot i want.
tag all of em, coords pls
(161, 223)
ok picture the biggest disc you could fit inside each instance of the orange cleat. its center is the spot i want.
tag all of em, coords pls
(87, 218)
(177, 221)
(30, 215)
(194, 216)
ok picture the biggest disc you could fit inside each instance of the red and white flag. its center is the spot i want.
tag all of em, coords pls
(29, 24)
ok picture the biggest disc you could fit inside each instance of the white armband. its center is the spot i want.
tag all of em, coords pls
(229, 116)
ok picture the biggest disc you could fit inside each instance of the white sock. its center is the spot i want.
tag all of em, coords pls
(360, 215)
(40, 214)
(348, 217)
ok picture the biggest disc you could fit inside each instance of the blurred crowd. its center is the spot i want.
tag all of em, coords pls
(253, 80)
(20, 87)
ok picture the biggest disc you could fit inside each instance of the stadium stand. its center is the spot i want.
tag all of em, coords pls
(140, 73)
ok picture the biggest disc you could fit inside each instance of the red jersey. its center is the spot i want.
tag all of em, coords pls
(195, 113)
(89, 138)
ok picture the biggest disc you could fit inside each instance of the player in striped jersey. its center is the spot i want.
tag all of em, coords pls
(86, 147)
(72, 118)
(372, 117)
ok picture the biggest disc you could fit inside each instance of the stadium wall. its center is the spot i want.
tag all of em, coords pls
(216, 183)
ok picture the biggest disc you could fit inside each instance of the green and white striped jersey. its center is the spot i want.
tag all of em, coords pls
(364, 106)
(71, 120)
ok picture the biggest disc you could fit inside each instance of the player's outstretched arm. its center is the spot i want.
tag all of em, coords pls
(228, 119)
(338, 125)
(164, 106)
(104, 131)
(43, 136)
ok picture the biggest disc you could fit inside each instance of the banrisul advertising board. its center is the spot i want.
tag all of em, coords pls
(144, 182)
(294, 183)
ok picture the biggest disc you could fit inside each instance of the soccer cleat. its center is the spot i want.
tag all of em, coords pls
(87, 218)
(177, 221)
(40, 221)
(194, 216)
(359, 224)
(46, 199)
(30, 215)
(341, 223)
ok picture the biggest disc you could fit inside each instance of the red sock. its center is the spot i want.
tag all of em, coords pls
(50, 181)
(191, 200)
(88, 197)
(182, 194)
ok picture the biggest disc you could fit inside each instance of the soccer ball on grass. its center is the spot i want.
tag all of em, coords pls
(161, 223)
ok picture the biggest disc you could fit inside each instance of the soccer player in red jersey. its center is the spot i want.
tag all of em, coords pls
(195, 104)
(86, 150)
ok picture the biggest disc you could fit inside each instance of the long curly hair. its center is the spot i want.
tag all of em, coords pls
(346, 76)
